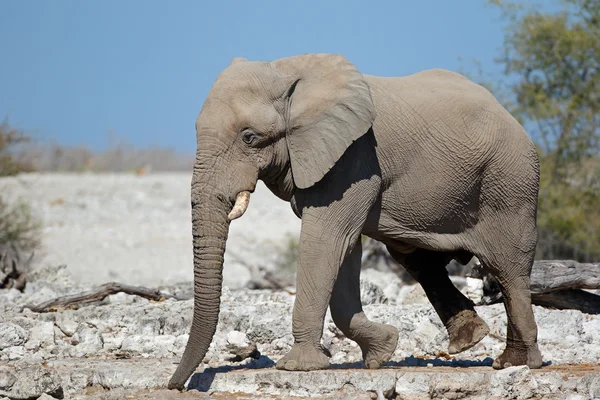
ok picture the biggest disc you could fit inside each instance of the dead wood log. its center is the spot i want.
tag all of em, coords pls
(555, 284)
(573, 299)
(99, 294)
(551, 275)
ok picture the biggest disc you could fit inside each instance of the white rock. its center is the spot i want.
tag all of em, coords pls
(32, 345)
(66, 323)
(41, 294)
(7, 380)
(370, 293)
(575, 397)
(474, 289)
(238, 339)
(514, 382)
(111, 342)
(11, 335)
(14, 352)
(32, 382)
(87, 340)
(10, 295)
(43, 333)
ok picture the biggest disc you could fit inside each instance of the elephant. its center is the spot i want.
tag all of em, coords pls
(430, 164)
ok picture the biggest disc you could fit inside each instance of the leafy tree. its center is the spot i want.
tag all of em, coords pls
(551, 63)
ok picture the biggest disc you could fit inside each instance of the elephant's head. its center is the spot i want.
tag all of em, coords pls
(286, 122)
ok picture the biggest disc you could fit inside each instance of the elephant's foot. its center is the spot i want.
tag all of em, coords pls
(515, 355)
(304, 357)
(380, 347)
(465, 330)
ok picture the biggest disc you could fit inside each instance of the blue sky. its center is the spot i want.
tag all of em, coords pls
(73, 70)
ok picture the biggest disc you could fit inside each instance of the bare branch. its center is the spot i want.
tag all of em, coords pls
(99, 294)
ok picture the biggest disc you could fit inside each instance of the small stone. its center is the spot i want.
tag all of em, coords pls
(44, 333)
(516, 382)
(67, 323)
(237, 339)
(110, 342)
(15, 352)
(87, 340)
(32, 345)
(7, 380)
(11, 295)
(370, 293)
(11, 335)
(32, 382)
(474, 289)
(429, 365)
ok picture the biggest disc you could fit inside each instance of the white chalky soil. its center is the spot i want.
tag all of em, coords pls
(137, 229)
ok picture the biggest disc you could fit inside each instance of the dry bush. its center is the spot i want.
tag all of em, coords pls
(19, 228)
(119, 156)
(11, 141)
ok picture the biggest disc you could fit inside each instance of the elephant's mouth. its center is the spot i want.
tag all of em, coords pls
(241, 204)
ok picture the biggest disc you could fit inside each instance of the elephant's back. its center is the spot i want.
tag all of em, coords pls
(443, 110)
(447, 145)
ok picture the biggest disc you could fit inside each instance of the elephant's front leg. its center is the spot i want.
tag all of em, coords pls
(377, 341)
(331, 226)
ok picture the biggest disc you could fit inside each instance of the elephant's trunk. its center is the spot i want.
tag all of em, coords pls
(210, 227)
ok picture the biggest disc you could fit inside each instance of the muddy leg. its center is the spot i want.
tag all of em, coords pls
(465, 328)
(521, 337)
(377, 341)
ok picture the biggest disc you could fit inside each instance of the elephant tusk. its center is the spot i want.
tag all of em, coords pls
(241, 204)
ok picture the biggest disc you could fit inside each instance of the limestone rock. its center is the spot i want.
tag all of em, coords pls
(32, 382)
(514, 383)
(11, 335)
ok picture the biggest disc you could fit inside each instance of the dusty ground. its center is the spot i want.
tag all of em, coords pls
(136, 230)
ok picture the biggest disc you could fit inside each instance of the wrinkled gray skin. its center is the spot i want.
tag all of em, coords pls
(430, 164)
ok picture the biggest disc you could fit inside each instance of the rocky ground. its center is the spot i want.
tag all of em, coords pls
(126, 347)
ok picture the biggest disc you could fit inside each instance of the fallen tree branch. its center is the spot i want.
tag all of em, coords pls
(551, 275)
(554, 284)
(100, 294)
(573, 299)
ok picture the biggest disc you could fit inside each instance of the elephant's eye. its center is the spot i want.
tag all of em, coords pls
(249, 137)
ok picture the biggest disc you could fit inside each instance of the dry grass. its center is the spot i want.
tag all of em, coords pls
(119, 156)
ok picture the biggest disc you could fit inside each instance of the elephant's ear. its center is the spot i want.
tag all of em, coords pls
(329, 107)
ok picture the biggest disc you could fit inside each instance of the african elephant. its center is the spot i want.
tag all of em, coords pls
(429, 164)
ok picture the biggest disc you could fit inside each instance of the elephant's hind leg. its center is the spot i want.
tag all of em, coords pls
(377, 341)
(512, 270)
(465, 328)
